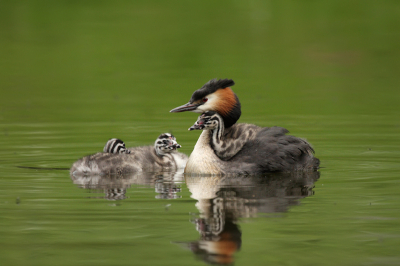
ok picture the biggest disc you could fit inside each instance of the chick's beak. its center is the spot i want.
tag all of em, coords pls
(185, 107)
(199, 125)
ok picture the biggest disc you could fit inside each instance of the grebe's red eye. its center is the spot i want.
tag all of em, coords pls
(205, 99)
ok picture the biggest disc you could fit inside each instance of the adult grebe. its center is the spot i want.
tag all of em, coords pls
(227, 147)
(116, 159)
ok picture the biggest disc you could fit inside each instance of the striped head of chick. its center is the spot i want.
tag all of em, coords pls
(166, 143)
(216, 95)
(115, 146)
(207, 121)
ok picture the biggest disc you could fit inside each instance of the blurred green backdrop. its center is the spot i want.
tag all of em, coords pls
(130, 61)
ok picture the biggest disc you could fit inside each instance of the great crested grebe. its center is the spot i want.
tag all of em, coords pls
(226, 147)
(116, 159)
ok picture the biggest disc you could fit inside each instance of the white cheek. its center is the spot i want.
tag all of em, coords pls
(208, 106)
(201, 109)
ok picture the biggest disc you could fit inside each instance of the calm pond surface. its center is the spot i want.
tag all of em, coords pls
(74, 74)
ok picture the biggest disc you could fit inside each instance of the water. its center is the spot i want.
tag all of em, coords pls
(74, 74)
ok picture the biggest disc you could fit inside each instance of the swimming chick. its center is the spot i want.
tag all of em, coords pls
(165, 143)
(227, 147)
(115, 146)
(116, 159)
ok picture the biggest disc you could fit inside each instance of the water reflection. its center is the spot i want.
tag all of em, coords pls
(167, 184)
(223, 201)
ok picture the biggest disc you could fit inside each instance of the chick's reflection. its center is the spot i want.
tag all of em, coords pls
(223, 201)
(114, 187)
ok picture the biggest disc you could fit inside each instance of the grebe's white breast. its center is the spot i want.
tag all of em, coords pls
(203, 159)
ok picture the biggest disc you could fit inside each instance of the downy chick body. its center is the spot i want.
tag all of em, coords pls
(116, 159)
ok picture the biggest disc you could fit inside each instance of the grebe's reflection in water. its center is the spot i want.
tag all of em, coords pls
(166, 184)
(222, 201)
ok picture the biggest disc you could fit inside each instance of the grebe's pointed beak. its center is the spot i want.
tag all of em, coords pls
(185, 107)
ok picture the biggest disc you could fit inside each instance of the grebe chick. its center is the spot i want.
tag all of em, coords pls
(239, 147)
(165, 143)
(115, 146)
(162, 156)
(225, 143)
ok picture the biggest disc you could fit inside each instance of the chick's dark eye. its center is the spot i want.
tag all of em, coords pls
(205, 99)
